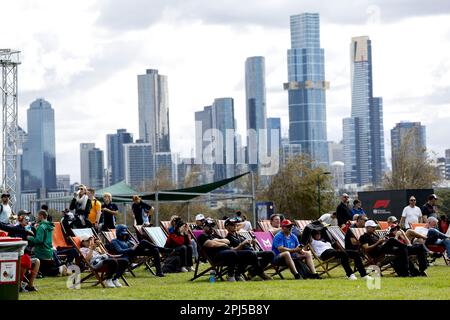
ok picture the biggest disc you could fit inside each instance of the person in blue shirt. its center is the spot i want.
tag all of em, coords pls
(288, 252)
(357, 208)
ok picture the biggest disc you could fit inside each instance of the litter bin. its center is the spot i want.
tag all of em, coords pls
(10, 252)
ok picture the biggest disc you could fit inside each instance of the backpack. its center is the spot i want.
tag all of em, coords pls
(171, 264)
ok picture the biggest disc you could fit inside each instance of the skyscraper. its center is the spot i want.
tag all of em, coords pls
(39, 163)
(255, 98)
(414, 132)
(363, 132)
(153, 101)
(84, 162)
(114, 147)
(273, 124)
(96, 168)
(306, 88)
(138, 160)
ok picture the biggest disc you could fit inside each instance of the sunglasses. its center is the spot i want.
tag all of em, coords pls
(412, 200)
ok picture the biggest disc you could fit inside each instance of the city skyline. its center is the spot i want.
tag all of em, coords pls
(82, 85)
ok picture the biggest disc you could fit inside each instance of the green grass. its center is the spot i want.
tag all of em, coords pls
(177, 286)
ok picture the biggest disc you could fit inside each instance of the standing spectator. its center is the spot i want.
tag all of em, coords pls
(142, 211)
(329, 218)
(288, 252)
(357, 209)
(95, 212)
(109, 212)
(343, 212)
(325, 251)
(123, 245)
(45, 208)
(429, 209)
(81, 204)
(180, 240)
(5, 209)
(411, 214)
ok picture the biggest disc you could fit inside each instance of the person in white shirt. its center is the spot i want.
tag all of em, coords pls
(329, 219)
(411, 214)
(433, 235)
(5, 209)
(325, 251)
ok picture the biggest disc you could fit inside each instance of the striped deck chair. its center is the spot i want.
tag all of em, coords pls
(383, 225)
(382, 233)
(99, 274)
(220, 224)
(221, 232)
(338, 235)
(165, 225)
(264, 225)
(87, 231)
(219, 269)
(416, 225)
(358, 232)
(302, 224)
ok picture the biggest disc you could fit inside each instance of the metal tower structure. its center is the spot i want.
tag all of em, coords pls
(9, 60)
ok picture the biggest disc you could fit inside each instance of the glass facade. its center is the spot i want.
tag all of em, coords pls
(115, 144)
(96, 172)
(306, 88)
(39, 161)
(398, 134)
(138, 160)
(153, 100)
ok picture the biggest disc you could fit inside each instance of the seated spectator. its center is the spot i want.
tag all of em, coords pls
(173, 220)
(275, 223)
(443, 223)
(259, 260)
(244, 224)
(30, 265)
(329, 219)
(219, 251)
(410, 233)
(180, 240)
(376, 248)
(115, 265)
(434, 237)
(351, 243)
(43, 246)
(109, 212)
(288, 252)
(123, 246)
(199, 220)
(325, 251)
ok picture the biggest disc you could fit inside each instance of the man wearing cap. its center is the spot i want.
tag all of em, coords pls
(5, 208)
(257, 259)
(343, 211)
(288, 252)
(411, 214)
(376, 247)
(429, 209)
(199, 220)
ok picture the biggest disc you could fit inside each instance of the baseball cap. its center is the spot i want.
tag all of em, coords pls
(84, 237)
(371, 223)
(286, 223)
(23, 212)
(230, 222)
(199, 217)
(432, 196)
(392, 219)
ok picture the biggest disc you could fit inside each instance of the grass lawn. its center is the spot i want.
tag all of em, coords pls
(177, 286)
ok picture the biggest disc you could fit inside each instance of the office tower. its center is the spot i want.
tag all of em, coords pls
(306, 88)
(38, 162)
(163, 165)
(337, 172)
(290, 151)
(63, 181)
(255, 100)
(84, 162)
(447, 164)
(412, 133)
(153, 99)
(273, 126)
(363, 131)
(336, 151)
(22, 137)
(96, 168)
(114, 147)
(138, 161)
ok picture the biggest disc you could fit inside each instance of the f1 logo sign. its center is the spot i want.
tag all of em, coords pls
(381, 204)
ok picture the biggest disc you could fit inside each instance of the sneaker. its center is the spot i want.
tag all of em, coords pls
(109, 283)
(117, 283)
(63, 271)
(190, 269)
(183, 269)
(367, 277)
(352, 277)
(315, 276)
(240, 278)
(161, 275)
(30, 289)
(231, 279)
(423, 274)
(298, 276)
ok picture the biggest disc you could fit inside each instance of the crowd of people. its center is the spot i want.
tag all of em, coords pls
(241, 255)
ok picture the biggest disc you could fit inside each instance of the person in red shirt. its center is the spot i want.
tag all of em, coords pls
(443, 223)
(180, 240)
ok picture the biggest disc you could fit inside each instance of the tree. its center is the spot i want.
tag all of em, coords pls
(444, 201)
(294, 189)
(412, 167)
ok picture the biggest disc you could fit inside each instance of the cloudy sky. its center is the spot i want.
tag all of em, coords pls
(84, 58)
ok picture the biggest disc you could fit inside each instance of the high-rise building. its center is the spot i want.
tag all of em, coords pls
(63, 181)
(337, 171)
(22, 137)
(290, 151)
(336, 151)
(273, 126)
(114, 147)
(138, 160)
(153, 99)
(84, 162)
(447, 164)
(164, 164)
(306, 88)
(96, 168)
(255, 98)
(39, 162)
(363, 131)
(412, 133)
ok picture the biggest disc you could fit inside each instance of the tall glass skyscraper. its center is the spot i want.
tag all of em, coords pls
(96, 168)
(138, 160)
(39, 162)
(415, 144)
(255, 98)
(153, 99)
(114, 143)
(363, 132)
(306, 88)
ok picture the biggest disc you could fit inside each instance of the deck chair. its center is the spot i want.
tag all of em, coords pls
(264, 239)
(383, 225)
(220, 224)
(338, 235)
(434, 248)
(87, 231)
(165, 225)
(222, 232)
(99, 274)
(59, 241)
(218, 269)
(156, 235)
(325, 265)
(264, 225)
(302, 224)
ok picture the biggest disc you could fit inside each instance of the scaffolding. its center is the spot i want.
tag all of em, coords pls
(9, 60)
